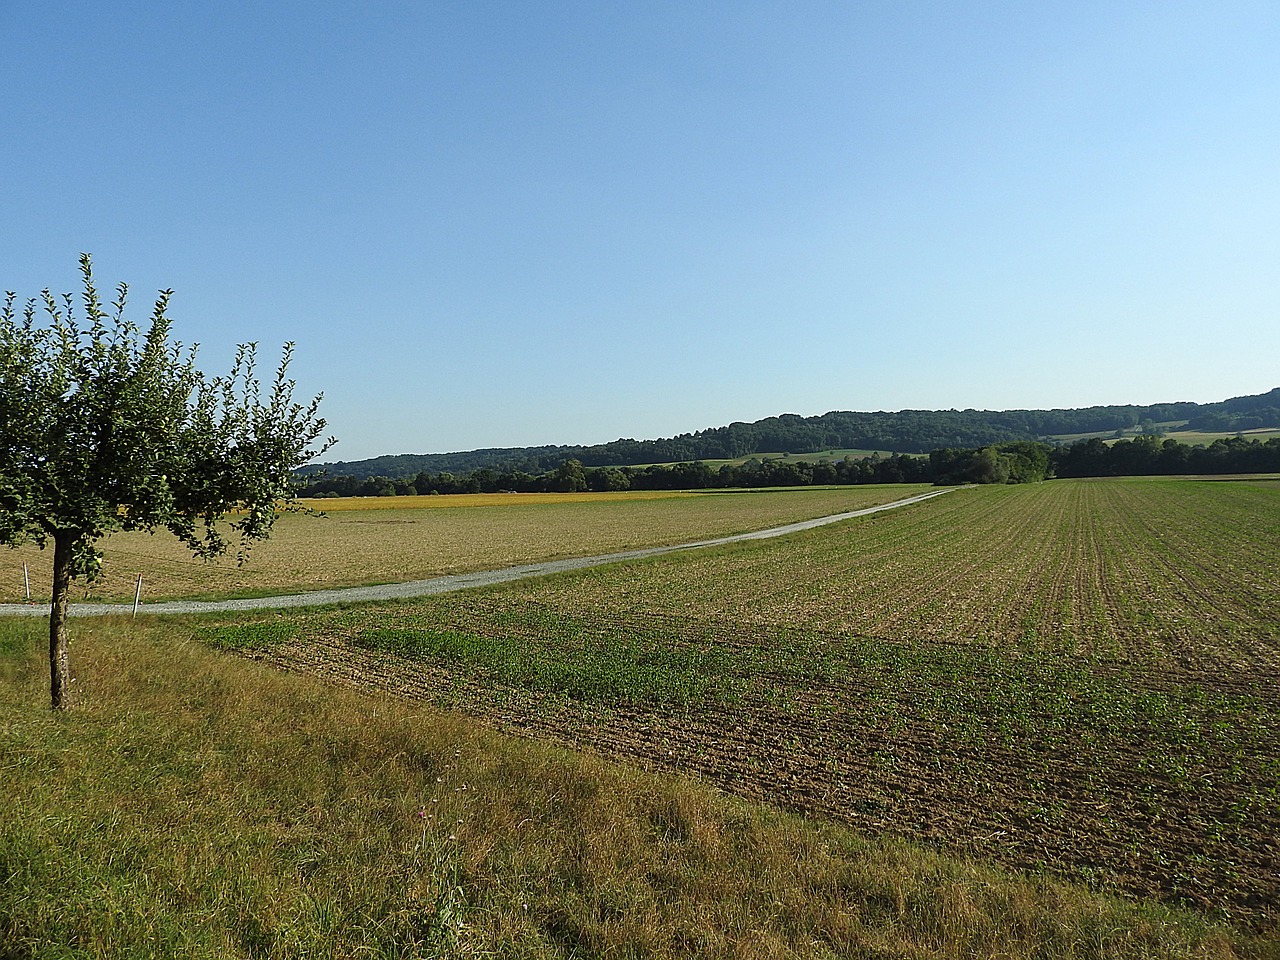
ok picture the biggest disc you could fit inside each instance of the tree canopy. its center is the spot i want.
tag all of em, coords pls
(105, 426)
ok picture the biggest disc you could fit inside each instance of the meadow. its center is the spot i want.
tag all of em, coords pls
(1032, 721)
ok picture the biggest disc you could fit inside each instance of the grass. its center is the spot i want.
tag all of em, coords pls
(200, 805)
(394, 539)
(1007, 717)
(1076, 676)
(455, 500)
(249, 636)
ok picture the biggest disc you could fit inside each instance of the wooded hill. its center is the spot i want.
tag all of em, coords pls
(904, 431)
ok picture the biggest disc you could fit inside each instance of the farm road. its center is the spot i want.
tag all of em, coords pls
(447, 584)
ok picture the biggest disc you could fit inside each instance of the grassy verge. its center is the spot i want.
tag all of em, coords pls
(198, 805)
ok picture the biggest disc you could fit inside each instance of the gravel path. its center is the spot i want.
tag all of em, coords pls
(423, 588)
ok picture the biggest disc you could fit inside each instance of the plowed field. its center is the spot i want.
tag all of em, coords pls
(1077, 676)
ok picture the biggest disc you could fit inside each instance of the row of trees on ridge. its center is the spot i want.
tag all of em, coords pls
(1020, 462)
(902, 431)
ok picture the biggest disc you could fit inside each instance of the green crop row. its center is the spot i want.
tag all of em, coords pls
(623, 671)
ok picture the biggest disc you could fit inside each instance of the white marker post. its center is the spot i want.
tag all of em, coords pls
(26, 579)
(137, 595)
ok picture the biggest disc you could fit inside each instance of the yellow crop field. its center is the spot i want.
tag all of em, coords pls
(393, 539)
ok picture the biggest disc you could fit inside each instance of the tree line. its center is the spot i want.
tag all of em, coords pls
(1017, 462)
(903, 431)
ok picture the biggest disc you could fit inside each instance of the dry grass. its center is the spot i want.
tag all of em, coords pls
(340, 504)
(394, 539)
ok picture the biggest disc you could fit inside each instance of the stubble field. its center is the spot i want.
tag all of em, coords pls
(362, 540)
(1078, 676)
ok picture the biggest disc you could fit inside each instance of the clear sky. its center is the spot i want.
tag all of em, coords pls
(517, 223)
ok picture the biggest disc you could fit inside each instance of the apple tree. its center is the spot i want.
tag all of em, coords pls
(106, 426)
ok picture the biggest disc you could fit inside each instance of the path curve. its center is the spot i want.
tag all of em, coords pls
(447, 584)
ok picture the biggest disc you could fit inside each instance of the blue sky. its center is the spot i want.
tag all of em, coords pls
(507, 224)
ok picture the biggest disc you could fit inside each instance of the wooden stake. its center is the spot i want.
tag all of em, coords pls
(137, 595)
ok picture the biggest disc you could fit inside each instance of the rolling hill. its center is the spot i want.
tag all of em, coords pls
(903, 431)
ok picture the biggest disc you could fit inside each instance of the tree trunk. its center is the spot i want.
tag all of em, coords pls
(59, 673)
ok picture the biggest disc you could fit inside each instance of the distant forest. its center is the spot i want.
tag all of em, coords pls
(903, 432)
(1018, 462)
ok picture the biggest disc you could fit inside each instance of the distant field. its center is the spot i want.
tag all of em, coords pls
(1164, 427)
(1172, 431)
(1196, 437)
(391, 539)
(1078, 676)
(455, 500)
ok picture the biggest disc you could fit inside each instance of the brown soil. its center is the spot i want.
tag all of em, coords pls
(1087, 812)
